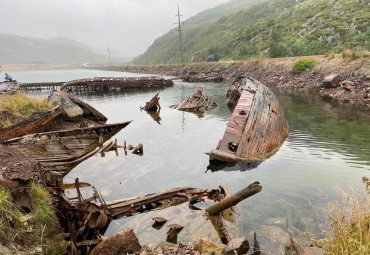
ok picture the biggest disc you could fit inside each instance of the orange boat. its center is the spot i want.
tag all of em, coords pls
(37, 123)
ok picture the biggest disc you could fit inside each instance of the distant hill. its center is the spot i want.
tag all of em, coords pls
(18, 49)
(272, 28)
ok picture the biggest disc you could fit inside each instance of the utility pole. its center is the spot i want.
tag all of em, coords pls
(179, 22)
(110, 63)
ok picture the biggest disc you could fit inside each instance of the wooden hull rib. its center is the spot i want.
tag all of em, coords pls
(257, 126)
(36, 123)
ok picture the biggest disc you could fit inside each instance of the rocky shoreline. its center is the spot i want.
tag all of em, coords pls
(351, 87)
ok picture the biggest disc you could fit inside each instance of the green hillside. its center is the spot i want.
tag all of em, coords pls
(219, 11)
(273, 28)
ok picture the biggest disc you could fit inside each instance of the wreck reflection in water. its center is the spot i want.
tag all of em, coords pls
(325, 141)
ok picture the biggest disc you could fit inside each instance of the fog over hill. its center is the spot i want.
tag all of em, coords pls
(18, 49)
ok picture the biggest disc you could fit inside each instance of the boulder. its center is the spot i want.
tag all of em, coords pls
(313, 251)
(273, 240)
(69, 110)
(4, 250)
(347, 85)
(167, 247)
(206, 246)
(238, 245)
(331, 81)
(120, 243)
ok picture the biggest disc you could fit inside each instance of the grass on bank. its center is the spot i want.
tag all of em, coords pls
(17, 108)
(39, 230)
(350, 223)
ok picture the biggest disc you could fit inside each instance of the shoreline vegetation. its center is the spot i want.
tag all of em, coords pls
(38, 232)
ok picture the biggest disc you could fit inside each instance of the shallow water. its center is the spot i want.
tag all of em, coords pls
(326, 143)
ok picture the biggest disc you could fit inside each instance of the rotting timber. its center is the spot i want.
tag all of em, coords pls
(115, 83)
(92, 219)
(257, 126)
(61, 150)
(37, 123)
(100, 84)
(196, 103)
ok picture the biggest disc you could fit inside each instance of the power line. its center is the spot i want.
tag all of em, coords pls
(110, 63)
(179, 22)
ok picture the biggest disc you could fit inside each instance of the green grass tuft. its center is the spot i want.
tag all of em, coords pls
(302, 64)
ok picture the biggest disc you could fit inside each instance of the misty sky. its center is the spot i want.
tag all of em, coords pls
(128, 26)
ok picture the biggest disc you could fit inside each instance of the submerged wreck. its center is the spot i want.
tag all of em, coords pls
(63, 149)
(257, 126)
(196, 103)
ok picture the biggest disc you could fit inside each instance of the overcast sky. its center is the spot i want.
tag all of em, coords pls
(128, 26)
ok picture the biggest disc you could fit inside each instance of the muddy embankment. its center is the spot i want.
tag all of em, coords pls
(352, 86)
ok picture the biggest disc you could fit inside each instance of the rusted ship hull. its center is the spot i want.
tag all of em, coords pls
(36, 123)
(257, 127)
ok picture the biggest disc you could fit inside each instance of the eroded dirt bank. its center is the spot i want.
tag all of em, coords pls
(354, 74)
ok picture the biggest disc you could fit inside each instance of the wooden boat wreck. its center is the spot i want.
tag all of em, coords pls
(61, 150)
(37, 123)
(109, 83)
(257, 126)
(196, 103)
(202, 77)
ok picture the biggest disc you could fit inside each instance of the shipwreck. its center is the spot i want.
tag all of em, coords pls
(257, 127)
(196, 103)
(37, 123)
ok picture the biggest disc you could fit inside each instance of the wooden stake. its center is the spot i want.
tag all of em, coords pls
(128, 148)
(232, 200)
(124, 145)
(138, 149)
(101, 140)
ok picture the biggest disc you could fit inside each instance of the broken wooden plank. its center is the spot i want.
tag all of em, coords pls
(227, 213)
(153, 104)
(164, 199)
(232, 200)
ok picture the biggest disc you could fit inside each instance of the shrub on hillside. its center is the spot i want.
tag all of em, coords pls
(353, 53)
(329, 55)
(302, 64)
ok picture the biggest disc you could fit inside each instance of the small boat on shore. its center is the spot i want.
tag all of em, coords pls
(37, 123)
(257, 127)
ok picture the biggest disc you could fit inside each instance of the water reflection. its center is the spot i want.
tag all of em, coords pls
(215, 165)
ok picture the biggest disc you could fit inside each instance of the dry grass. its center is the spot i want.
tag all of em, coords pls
(39, 230)
(350, 223)
(16, 108)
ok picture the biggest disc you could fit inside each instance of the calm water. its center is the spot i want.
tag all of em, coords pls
(327, 143)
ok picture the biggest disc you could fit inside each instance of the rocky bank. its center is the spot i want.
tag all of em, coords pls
(351, 84)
